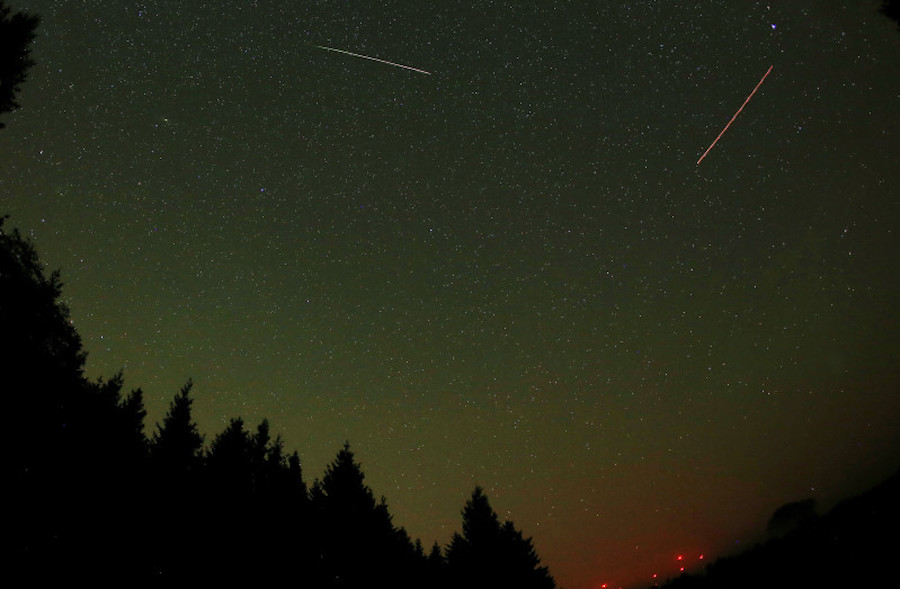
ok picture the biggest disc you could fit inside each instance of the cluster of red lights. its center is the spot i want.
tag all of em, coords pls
(682, 563)
(680, 560)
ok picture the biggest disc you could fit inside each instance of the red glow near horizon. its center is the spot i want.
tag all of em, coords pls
(686, 561)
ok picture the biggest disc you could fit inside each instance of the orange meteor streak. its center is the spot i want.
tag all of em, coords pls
(736, 114)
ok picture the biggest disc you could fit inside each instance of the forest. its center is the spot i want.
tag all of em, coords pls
(95, 498)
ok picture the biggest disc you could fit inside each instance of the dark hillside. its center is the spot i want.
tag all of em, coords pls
(851, 546)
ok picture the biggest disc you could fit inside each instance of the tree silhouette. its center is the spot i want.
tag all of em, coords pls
(227, 516)
(176, 444)
(41, 363)
(284, 504)
(891, 9)
(229, 463)
(491, 554)
(133, 414)
(175, 461)
(39, 343)
(268, 462)
(436, 568)
(255, 509)
(106, 460)
(358, 543)
(86, 482)
(77, 468)
(96, 500)
(790, 516)
(16, 33)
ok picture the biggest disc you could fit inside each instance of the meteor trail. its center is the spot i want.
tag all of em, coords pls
(736, 114)
(406, 67)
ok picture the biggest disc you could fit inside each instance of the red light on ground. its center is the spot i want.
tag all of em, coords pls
(679, 557)
(681, 569)
(701, 557)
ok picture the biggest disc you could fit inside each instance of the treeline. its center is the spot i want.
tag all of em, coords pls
(94, 498)
(853, 545)
(91, 498)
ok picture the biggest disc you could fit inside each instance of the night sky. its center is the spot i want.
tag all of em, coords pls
(511, 272)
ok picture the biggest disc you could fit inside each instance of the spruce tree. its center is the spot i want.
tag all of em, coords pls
(360, 544)
(177, 514)
(176, 445)
(490, 554)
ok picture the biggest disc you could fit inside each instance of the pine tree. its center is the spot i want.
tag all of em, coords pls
(490, 554)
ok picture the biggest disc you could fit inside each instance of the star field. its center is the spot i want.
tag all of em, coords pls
(511, 272)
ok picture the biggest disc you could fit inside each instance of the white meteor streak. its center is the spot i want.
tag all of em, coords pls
(406, 67)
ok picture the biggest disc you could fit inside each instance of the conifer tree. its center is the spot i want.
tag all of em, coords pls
(78, 446)
(229, 462)
(133, 414)
(41, 357)
(17, 30)
(176, 444)
(490, 554)
(294, 480)
(359, 542)
(41, 366)
(176, 514)
(436, 567)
